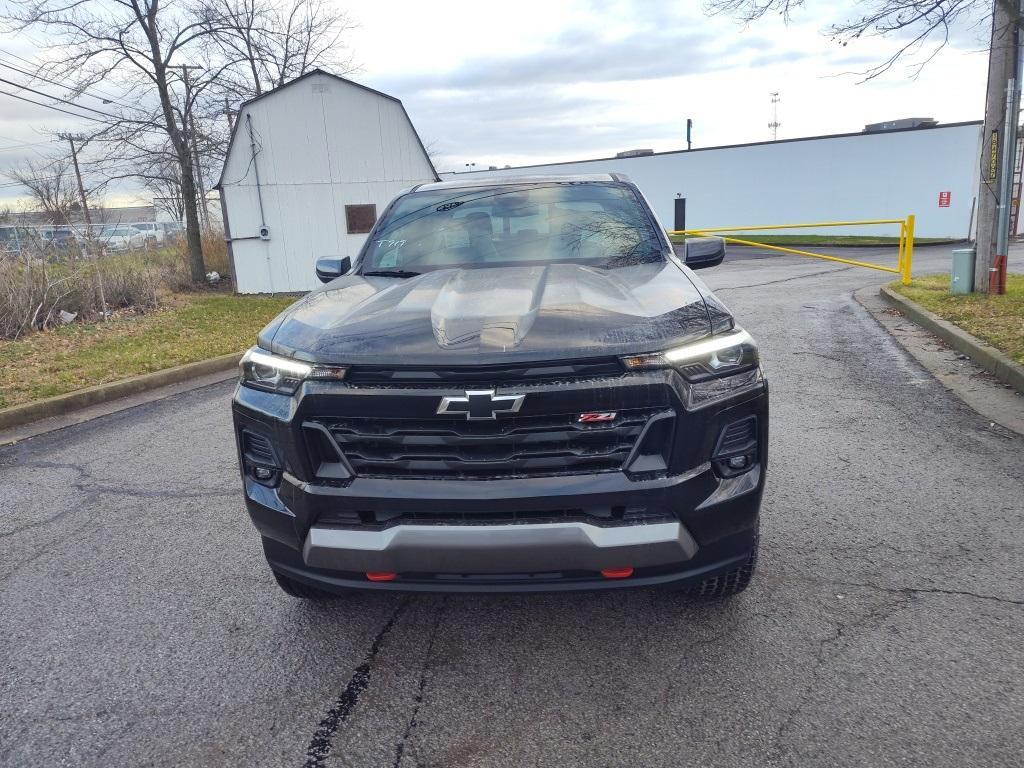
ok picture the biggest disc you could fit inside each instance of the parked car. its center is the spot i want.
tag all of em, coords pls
(59, 238)
(121, 237)
(12, 239)
(173, 230)
(519, 386)
(154, 233)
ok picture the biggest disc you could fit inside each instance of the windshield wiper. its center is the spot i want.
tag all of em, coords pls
(390, 273)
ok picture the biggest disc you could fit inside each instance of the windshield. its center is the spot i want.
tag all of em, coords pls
(112, 231)
(587, 223)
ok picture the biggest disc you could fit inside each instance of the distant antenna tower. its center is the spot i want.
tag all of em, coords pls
(774, 124)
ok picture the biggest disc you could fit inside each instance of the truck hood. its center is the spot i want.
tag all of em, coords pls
(495, 315)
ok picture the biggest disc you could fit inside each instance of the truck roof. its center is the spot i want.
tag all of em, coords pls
(495, 181)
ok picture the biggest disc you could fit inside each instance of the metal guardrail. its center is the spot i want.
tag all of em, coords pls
(903, 263)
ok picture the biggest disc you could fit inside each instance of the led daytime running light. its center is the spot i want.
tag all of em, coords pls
(283, 364)
(703, 348)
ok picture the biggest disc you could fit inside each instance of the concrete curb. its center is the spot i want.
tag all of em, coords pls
(984, 356)
(17, 415)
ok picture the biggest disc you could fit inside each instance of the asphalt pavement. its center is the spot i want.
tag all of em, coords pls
(139, 624)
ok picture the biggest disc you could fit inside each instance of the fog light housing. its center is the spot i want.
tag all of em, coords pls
(260, 461)
(736, 450)
(263, 473)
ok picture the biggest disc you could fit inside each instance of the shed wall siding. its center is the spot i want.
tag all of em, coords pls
(321, 144)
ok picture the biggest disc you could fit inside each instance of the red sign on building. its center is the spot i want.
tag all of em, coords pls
(944, 199)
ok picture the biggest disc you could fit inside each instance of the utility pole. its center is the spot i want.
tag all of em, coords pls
(190, 126)
(70, 139)
(230, 114)
(997, 158)
(689, 133)
(774, 124)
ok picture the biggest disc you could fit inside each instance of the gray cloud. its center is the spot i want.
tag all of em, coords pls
(523, 104)
(584, 56)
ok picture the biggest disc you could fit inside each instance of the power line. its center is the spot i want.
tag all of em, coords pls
(35, 65)
(37, 76)
(51, 106)
(20, 144)
(58, 98)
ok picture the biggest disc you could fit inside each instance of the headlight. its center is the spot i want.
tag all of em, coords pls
(263, 370)
(713, 369)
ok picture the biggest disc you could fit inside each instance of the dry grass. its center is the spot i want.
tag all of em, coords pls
(186, 328)
(36, 286)
(998, 320)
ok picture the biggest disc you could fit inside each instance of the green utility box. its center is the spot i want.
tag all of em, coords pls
(961, 278)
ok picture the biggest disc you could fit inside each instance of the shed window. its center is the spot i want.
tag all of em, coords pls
(360, 218)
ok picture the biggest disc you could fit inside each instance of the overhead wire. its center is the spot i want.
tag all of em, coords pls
(108, 99)
(53, 107)
(74, 104)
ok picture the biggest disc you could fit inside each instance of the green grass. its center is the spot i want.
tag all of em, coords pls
(192, 327)
(824, 240)
(998, 320)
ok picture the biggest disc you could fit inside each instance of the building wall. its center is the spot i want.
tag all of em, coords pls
(321, 144)
(859, 176)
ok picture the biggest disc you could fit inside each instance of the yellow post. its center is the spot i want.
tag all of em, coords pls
(908, 255)
(903, 241)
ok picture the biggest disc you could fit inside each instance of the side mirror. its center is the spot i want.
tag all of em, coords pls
(701, 252)
(331, 267)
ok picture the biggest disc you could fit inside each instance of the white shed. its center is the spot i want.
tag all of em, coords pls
(309, 167)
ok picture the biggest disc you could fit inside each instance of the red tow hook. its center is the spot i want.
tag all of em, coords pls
(617, 573)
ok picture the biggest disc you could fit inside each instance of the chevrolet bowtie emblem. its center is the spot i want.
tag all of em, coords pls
(481, 404)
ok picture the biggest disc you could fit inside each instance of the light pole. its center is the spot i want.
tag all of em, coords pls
(774, 124)
(470, 166)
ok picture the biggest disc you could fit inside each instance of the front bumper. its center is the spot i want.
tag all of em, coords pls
(710, 528)
(497, 549)
(698, 522)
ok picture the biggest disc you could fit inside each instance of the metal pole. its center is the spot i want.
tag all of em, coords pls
(997, 272)
(81, 188)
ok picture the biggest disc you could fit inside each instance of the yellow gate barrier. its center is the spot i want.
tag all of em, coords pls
(903, 262)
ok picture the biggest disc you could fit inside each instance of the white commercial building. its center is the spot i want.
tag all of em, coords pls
(309, 168)
(931, 172)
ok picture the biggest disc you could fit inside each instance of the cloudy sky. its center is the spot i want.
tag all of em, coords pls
(546, 80)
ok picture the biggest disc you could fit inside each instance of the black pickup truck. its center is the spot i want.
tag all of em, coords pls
(517, 386)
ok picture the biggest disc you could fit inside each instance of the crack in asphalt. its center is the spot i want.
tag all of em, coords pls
(418, 698)
(909, 591)
(322, 742)
(906, 591)
(781, 280)
(837, 640)
(86, 485)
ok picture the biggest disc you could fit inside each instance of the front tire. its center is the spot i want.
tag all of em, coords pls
(729, 583)
(300, 590)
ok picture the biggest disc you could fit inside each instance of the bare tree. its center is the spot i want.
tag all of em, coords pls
(140, 44)
(164, 182)
(270, 42)
(922, 27)
(51, 186)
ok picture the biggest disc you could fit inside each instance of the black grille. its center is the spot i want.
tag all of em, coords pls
(600, 516)
(257, 448)
(583, 369)
(737, 437)
(505, 447)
